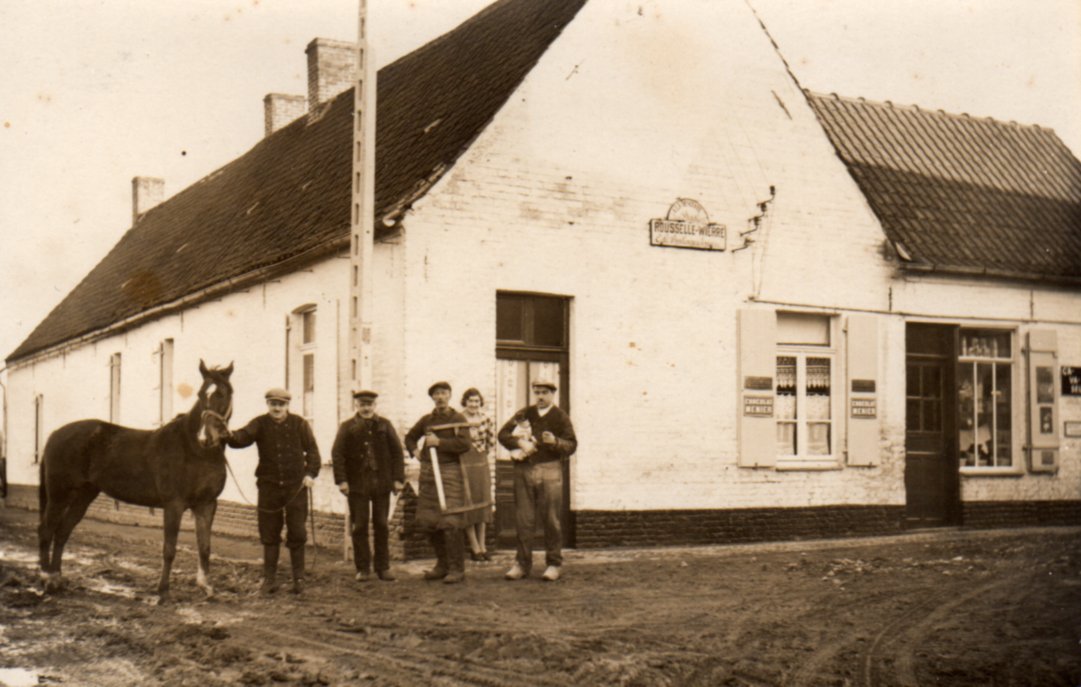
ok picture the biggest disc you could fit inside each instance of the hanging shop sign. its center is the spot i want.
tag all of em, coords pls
(687, 225)
(1071, 380)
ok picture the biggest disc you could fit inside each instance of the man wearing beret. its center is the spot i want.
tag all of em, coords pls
(538, 479)
(447, 431)
(368, 464)
(288, 464)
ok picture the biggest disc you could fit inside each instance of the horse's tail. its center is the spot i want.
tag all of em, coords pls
(43, 494)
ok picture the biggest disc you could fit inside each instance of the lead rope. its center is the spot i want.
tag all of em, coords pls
(311, 520)
(310, 516)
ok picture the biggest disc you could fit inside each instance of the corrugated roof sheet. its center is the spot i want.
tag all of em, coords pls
(963, 194)
(289, 195)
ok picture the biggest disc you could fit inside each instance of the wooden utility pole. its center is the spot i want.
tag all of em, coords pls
(362, 227)
(362, 233)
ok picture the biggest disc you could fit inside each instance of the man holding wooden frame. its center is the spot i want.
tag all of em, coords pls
(445, 479)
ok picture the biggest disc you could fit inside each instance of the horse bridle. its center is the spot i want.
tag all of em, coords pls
(215, 414)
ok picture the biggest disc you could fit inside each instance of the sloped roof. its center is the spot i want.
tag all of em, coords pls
(288, 198)
(961, 194)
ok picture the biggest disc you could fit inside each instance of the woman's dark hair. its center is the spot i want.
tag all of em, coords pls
(472, 391)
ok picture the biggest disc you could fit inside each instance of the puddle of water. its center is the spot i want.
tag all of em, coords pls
(17, 677)
(13, 555)
(190, 615)
(104, 587)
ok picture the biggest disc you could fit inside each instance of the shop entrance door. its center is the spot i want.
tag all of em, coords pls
(531, 344)
(932, 487)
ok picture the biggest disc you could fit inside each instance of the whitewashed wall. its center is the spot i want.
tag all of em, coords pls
(247, 328)
(556, 197)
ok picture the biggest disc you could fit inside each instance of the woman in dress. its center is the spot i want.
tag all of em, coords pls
(482, 432)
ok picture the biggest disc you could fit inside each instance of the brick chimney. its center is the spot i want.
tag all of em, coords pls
(331, 69)
(146, 192)
(280, 109)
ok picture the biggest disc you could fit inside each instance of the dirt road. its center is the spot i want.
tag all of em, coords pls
(945, 608)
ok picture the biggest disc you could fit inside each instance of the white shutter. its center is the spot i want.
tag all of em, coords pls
(1043, 421)
(756, 392)
(862, 391)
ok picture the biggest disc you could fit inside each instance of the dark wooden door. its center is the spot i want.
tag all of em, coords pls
(932, 487)
(532, 343)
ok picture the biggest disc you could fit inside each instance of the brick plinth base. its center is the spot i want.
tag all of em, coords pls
(596, 529)
(989, 514)
(688, 527)
(232, 519)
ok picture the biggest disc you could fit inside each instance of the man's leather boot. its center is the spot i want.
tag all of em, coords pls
(440, 546)
(296, 557)
(270, 569)
(455, 557)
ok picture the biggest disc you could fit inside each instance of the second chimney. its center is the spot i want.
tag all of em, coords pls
(146, 192)
(331, 69)
(280, 109)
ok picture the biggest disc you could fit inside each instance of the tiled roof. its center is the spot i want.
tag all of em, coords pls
(288, 198)
(961, 194)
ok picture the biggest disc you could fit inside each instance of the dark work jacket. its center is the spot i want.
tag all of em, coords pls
(555, 421)
(358, 441)
(287, 450)
(452, 442)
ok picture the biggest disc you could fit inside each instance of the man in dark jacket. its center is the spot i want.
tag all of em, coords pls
(447, 432)
(288, 464)
(368, 464)
(538, 478)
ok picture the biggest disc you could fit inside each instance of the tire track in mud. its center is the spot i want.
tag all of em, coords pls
(1018, 601)
(807, 673)
(400, 665)
(906, 637)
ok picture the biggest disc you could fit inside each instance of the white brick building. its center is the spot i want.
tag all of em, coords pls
(851, 357)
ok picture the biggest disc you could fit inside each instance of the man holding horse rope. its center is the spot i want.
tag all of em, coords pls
(442, 495)
(288, 464)
(368, 465)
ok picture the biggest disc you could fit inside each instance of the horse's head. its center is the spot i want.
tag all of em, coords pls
(216, 402)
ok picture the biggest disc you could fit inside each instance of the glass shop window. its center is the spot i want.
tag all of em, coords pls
(984, 397)
(806, 367)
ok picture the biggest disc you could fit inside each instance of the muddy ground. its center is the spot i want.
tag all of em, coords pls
(944, 608)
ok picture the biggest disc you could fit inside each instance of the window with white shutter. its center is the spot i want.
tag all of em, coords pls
(806, 391)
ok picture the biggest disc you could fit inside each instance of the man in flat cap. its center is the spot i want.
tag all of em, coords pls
(288, 465)
(368, 465)
(538, 478)
(447, 431)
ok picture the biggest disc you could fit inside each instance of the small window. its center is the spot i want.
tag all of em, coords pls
(165, 381)
(307, 320)
(984, 398)
(805, 388)
(509, 319)
(39, 427)
(548, 321)
(532, 321)
(308, 385)
(114, 387)
(300, 338)
(803, 329)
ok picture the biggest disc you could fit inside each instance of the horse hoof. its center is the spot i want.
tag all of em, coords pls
(52, 582)
(209, 591)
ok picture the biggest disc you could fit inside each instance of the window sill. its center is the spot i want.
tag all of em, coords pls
(807, 465)
(984, 471)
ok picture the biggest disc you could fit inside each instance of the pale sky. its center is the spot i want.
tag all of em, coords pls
(96, 92)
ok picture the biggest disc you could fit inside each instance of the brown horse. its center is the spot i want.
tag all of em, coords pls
(176, 467)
